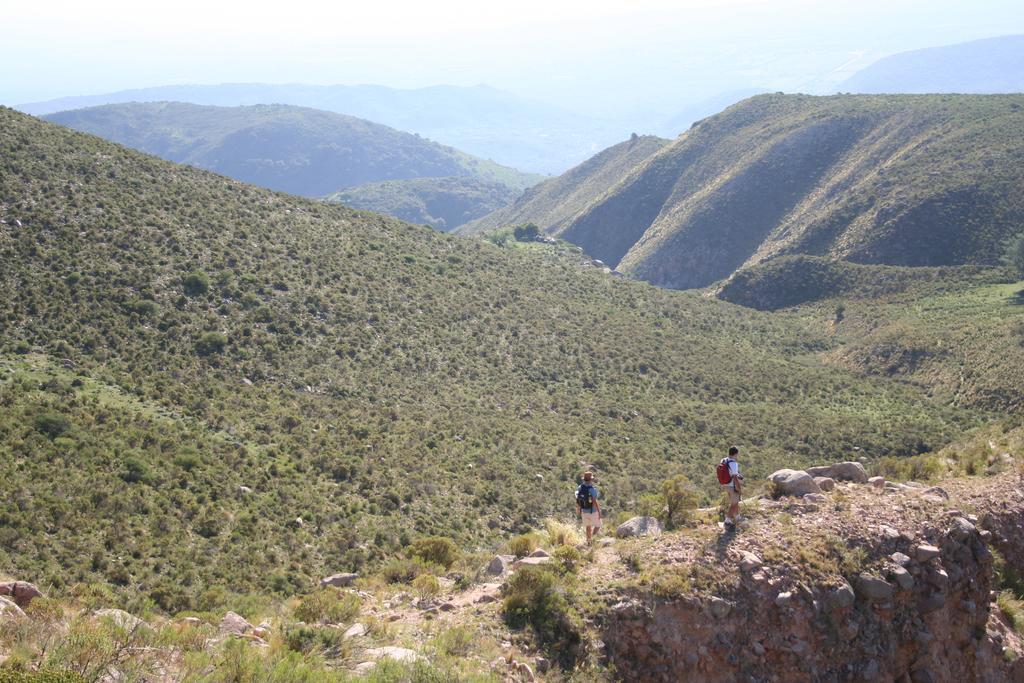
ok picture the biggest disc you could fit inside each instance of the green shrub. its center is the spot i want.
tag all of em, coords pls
(436, 550)
(569, 558)
(522, 545)
(50, 423)
(308, 639)
(405, 569)
(42, 676)
(210, 343)
(680, 499)
(426, 585)
(328, 605)
(457, 641)
(535, 597)
(196, 283)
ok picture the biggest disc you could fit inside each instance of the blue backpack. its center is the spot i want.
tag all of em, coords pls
(585, 496)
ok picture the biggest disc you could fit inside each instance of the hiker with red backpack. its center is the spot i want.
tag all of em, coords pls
(729, 477)
(587, 506)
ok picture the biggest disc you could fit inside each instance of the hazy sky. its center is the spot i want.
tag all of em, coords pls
(592, 54)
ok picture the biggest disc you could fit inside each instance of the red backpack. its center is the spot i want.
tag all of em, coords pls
(724, 475)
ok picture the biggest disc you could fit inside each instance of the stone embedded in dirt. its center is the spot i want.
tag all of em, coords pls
(121, 619)
(925, 552)
(841, 471)
(843, 595)
(487, 597)
(539, 552)
(815, 498)
(234, 624)
(749, 561)
(447, 606)
(825, 483)
(903, 578)
(364, 668)
(931, 603)
(935, 493)
(9, 609)
(500, 564)
(784, 598)
(793, 482)
(888, 532)
(356, 630)
(719, 608)
(873, 588)
(877, 482)
(961, 529)
(21, 592)
(639, 526)
(542, 664)
(900, 559)
(343, 580)
(938, 578)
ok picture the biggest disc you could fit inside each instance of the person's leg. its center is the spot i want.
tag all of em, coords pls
(590, 533)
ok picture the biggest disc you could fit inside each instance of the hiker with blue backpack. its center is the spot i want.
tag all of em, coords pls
(728, 472)
(587, 506)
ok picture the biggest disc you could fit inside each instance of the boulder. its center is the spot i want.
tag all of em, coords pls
(903, 578)
(900, 559)
(500, 564)
(539, 553)
(530, 561)
(354, 631)
(234, 624)
(719, 608)
(9, 609)
(749, 561)
(793, 482)
(877, 482)
(21, 592)
(935, 493)
(842, 595)
(121, 619)
(925, 552)
(639, 526)
(873, 588)
(841, 471)
(825, 483)
(343, 580)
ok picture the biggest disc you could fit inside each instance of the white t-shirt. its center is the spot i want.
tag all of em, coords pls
(734, 471)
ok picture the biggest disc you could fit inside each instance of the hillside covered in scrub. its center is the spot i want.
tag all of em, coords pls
(907, 180)
(303, 151)
(442, 203)
(210, 386)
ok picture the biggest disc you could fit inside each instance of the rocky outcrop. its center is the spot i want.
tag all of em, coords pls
(343, 580)
(9, 610)
(841, 471)
(639, 526)
(914, 616)
(122, 619)
(793, 483)
(21, 592)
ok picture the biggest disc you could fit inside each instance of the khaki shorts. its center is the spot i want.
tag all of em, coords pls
(734, 498)
(592, 519)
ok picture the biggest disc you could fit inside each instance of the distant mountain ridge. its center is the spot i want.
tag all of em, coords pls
(294, 149)
(916, 180)
(990, 65)
(484, 121)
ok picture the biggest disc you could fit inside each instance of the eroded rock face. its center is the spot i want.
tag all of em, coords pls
(926, 622)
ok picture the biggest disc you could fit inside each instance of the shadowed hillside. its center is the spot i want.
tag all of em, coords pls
(553, 203)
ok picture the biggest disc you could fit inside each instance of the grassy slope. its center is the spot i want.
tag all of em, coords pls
(958, 331)
(902, 180)
(294, 149)
(442, 203)
(378, 380)
(553, 203)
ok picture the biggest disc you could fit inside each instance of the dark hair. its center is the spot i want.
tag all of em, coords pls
(733, 450)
